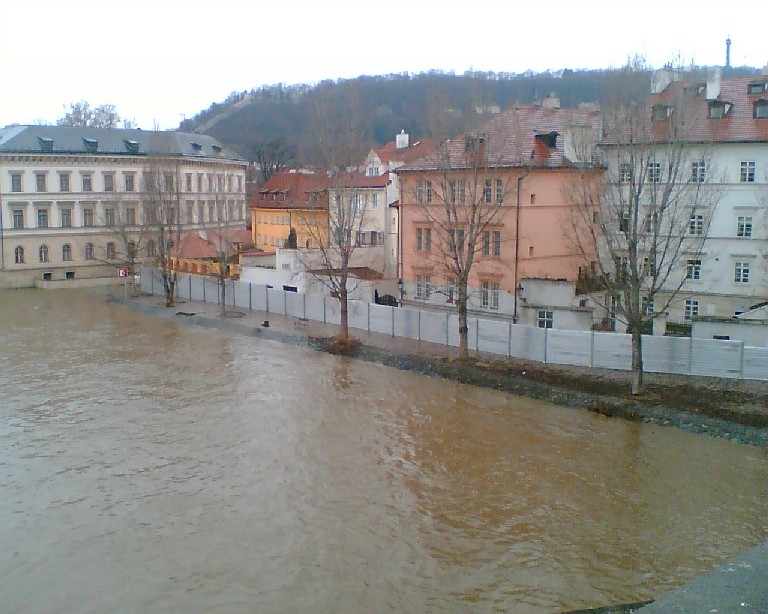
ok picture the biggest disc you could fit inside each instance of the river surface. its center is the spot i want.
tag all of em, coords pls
(153, 466)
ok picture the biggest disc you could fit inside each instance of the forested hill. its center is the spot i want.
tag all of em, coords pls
(397, 102)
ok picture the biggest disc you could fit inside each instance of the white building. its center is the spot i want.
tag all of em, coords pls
(68, 195)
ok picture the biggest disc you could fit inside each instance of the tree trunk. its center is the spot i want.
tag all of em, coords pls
(344, 305)
(463, 328)
(637, 360)
(223, 295)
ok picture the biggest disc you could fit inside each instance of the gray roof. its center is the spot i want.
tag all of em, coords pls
(111, 141)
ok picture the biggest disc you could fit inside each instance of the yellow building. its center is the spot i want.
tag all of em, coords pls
(291, 200)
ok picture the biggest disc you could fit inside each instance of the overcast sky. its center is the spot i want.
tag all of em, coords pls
(159, 61)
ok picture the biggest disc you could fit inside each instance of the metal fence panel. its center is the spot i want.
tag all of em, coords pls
(756, 363)
(666, 354)
(276, 300)
(242, 292)
(453, 331)
(716, 358)
(494, 337)
(315, 308)
(528, 342)
(294, 303)
(433, 325)
(407, 323)
(357, 313)
(259, 297)
(211, 290)
(332, 310)
(612, 351)
(381, 318)
(569, 347)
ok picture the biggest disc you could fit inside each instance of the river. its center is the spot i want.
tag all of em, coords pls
(153, 466)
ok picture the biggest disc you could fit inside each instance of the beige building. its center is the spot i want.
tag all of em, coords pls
(72, 198)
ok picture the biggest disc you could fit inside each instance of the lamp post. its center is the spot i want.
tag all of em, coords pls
(400, 288)
(518, 293)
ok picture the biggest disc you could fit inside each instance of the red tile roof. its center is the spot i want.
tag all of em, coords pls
(194, 247)
(530, 136)
(292, 191)
(389, 152)
(738, 125)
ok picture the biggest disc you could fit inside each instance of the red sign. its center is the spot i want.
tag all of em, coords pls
(122, 272)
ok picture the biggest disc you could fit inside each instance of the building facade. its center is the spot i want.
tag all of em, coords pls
(73, 199)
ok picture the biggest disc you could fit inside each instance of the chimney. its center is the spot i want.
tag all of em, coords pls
(401, 140)
(713, 84)
(728, 52)
(661, 78)
(550, 102)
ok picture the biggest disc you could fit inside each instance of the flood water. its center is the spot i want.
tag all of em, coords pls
(149, 466)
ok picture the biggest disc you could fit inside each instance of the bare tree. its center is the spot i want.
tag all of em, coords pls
(81, 114)
(223, 245)
(161, 218)
(273, 157)
(645, 210)
(461, 194)
(341, 141)
(126, 236)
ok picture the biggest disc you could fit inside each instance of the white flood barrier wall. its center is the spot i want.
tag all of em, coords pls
(679, 355)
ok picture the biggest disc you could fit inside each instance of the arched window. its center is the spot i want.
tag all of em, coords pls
(89, 251)
(19, 254)
(43, 253)
(110, 251)
(66, 252)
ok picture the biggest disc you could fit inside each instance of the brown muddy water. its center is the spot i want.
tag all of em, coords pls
(151, 466)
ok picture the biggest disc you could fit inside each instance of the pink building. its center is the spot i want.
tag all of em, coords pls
(519, 169)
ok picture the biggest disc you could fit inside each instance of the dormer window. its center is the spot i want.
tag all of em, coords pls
(694, 90)
(760, 109)
(216, 148)
(474, 143)
(756, 87)
(131, 146)
(91, 145)
(660, 112)
(196, 146)
(549, 139)
(718, 109)
(46, 143)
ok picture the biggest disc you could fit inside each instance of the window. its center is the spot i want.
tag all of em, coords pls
(496, 243)
(452, 191)
(87, 217)
(66, 252)
(698, 171)
(130, 216)
(66, 218)
(741, 273)
(43, 253)
(625, 172)
(760, 109)
(200, 183)
(423, 239)
(691, 308)
(427, 239)
(109, 182)
(487, 191)
(109, 217)
(188, 182)
(18, 254)
(151, 249)
(87, 183)
(489, 294)
(18, 218)
(40, 183)
(130, 182)
(462, 191)
(42, 218)
(757, 87)
(652, 223)
(131, 250)
(693, 269)
(545, 318)
(486, 243)
(89, 251)
(110, 251)
(649, 266)
(654, 172)
(64, 182)
(423, 286)
(747, 174)
(696, 224)
(624, 222)
(499, 192)
(419, 192)
(744, 226)
(647, 306)
(452, 290)
(428, 185)
(374, 201)
(168, 182)
(16, 182)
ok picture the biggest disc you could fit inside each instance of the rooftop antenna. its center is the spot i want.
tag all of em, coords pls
(728, 52)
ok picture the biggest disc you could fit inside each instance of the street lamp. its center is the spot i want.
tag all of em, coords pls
(402, 291)
(518, 294)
